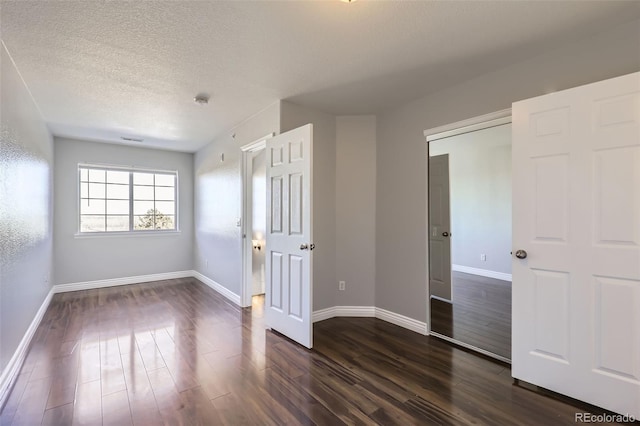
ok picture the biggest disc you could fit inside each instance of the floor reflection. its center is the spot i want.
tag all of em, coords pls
(480, 314)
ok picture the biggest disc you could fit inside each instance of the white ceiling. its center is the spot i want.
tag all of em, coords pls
(102, 70)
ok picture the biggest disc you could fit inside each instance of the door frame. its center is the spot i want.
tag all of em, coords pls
(480, 122)
(247, 215)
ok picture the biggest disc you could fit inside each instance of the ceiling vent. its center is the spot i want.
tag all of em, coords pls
(130, 139)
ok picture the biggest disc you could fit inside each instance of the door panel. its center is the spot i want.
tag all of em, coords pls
(288, 300)
(576, 211)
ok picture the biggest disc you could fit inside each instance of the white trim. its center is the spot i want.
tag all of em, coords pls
(247, 246)
(482, 272)
(470, 125)
(130, 170)
(402, 321)
(11, 370)
(371, 312)
(344, 311)
(124, 168)
(88, 285)
(324, 314)
(127, 234)
(258, 144)
(235, 298)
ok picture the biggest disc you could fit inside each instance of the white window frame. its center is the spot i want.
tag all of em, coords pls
(131, 231)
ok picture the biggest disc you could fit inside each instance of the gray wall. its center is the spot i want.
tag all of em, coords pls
(324, 197)
(401, 253)
(89, 258)
(218, 199)
(26, 162)
(355, 209)
(480, 197)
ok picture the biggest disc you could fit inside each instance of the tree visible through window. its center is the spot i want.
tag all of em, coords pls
(120, 200)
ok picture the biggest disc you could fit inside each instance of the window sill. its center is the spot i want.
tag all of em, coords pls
(126, 234)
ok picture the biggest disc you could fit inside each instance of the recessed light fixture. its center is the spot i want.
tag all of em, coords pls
(130, 139)
(201, 99)
(347, 1)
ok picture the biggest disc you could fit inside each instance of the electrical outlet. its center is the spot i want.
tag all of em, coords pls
(483, 257)
(206, 264)
(342, 285)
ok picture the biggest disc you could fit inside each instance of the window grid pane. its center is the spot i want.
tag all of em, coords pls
(106, 204)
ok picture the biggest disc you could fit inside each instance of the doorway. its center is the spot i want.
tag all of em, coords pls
(469, 238)
(288, 242)
(254, 223)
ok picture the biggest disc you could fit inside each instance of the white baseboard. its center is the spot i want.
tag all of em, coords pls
(88, 285)
(324, 314)
(482, 272)
(11, 370)
(344, 311)
(371, 312)
(402, 321)
(235, 298)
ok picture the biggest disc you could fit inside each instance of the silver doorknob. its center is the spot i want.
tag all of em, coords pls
(304, 247)
(445, 234)
(521, 254)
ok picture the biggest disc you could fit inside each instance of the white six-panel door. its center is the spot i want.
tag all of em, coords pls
(289, 239)
(576, 212)
(439, 227)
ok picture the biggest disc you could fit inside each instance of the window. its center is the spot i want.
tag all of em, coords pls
(125, 200)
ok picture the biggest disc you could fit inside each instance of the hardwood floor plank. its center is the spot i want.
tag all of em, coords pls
(33, 403)
(144, 409)
(175, 352)
(115, 409)
(149, 351)
(58, 416)
(13, 400)
(87, 409)
(111, 371)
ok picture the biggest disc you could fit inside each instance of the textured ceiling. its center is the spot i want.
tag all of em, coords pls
(101, 70)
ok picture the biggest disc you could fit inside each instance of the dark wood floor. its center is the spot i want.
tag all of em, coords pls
(177, 353)
(480, 314)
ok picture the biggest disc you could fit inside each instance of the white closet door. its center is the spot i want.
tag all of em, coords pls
(576, 213)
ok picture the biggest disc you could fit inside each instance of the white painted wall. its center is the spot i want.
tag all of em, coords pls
(401, 253)
(355, 209)
(26, 162)
(80, 259)
(218, 199)
(259, 219)
(324, 197)
(480, 197)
